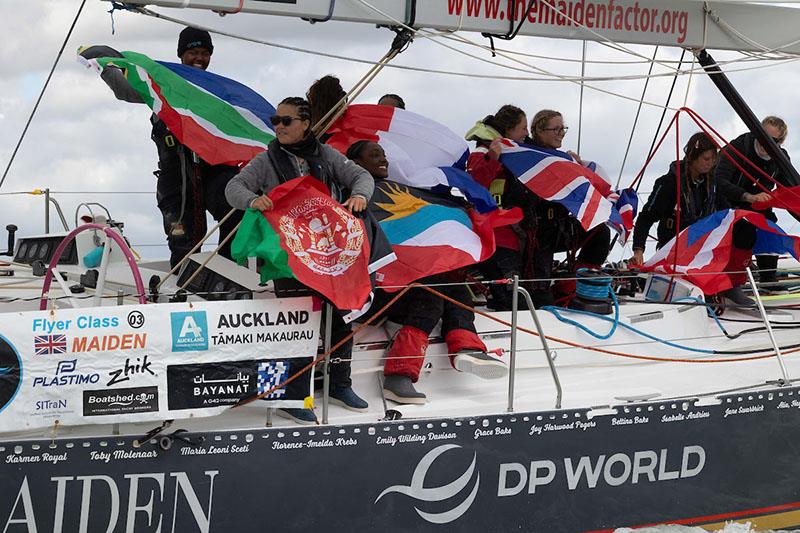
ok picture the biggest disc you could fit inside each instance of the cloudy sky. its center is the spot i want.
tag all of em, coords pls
(88, 147)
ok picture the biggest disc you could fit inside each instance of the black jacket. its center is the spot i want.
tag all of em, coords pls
(697, 201)
(727, 172)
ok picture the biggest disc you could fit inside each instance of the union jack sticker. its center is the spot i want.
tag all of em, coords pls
(50, 344)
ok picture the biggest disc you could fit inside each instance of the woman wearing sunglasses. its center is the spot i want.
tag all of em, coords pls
(556, 230)
(296, 152)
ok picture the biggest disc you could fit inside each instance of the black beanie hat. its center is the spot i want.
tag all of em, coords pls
(194, 38)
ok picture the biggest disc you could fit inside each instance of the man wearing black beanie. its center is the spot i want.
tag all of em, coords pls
(187, 186)
(195, 47)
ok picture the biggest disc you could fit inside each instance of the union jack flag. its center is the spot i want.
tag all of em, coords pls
(553, 175)
(50, 344)
(702, 252)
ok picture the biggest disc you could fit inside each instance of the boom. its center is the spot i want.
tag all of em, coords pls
(686, 23)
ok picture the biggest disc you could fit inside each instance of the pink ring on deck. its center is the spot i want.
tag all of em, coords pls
(113, 235)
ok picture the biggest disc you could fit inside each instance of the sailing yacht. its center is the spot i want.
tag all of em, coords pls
(122, 384)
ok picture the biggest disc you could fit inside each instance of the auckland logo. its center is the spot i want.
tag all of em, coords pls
(418, 491)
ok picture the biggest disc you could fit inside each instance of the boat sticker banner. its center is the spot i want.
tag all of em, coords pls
(153, 362)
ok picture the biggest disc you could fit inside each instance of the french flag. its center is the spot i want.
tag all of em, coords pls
(702, 251)
(422, 153)
(553, 175)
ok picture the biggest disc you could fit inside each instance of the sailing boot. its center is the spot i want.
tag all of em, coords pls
(401, 389)
(347, 398)
(304, 417)
(737, 296)
(469, 355)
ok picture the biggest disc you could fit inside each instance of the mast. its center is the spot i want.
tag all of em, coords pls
(694, 24)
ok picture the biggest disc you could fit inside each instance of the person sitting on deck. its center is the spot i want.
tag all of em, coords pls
(484, 165)
(294, 153)
(701, 195)
(751, 149)
(418, 311)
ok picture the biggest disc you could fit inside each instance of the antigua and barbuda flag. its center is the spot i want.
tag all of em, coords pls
(702, 251)
(422, 153)
(553, 175)
(310, 237)
(219, 119)
(432, 233)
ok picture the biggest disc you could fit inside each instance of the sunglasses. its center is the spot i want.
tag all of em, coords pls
(777, 140)
(285, 120)
(559, 130)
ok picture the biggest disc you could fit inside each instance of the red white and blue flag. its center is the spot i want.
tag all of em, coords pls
(50, 344)
(553, 175)
(702, 251)
(422, 153)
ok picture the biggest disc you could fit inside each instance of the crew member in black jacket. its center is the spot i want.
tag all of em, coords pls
(727, 172)
(701, 195)
(187, 186)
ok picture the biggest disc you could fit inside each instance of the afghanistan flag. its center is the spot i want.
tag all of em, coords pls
(219, 119)
(432, 233)
(308, 236)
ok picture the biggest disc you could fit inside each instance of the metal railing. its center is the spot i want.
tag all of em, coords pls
(516, 291)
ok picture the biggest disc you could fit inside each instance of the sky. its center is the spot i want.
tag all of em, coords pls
(88, 147)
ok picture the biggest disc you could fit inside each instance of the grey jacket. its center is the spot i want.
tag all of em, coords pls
(260, 176)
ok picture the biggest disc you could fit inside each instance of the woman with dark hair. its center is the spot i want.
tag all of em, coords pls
(556, 229)
(296, 152)
(418, 311)
(323, 95)
(484, 165)
(392, 100)
(701, 195)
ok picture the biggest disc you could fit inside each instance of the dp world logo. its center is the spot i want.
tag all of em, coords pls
(419, 492)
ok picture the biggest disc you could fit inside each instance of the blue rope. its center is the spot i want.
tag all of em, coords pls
(555, 310)
(599, 291)
(709, 310)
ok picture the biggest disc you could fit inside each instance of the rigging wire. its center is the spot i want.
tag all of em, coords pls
(636, 118)
(544, 74)
(41, 94)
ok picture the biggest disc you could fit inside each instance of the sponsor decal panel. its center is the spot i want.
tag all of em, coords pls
(81, 365)
(120, 401)
(189, 331)
(198, 386)
(66, 374)
(133, 367)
